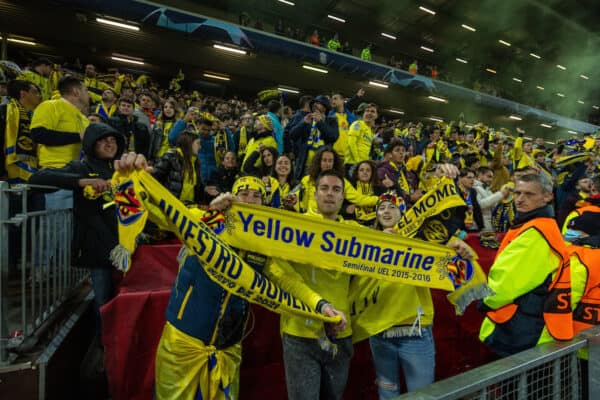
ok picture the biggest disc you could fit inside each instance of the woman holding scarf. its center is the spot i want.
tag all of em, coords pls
(282, 182)
(407, 343)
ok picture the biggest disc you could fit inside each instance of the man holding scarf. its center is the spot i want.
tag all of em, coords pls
(316, 366)
(215, 139)
(199, 353)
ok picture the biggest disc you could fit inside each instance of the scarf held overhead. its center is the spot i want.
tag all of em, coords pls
(330, 245)
(140, 194)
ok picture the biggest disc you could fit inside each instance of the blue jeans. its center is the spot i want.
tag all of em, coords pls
(59, 200)
(102, 284)
(414, 354)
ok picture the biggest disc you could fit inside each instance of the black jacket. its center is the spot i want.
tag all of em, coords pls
(295, 120)
(299, 134)
(477, 214)
(95, 232)
(169, 172)
(132, 128)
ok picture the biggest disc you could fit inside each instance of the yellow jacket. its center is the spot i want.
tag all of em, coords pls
(509, 279)
(360, 137)
(40, 81)
(520, 159)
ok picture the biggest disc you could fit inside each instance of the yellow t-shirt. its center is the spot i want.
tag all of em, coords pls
(341, 144)
(331, 285)
(360, 137)
(62, 119)
(165, 145)
(189, 183)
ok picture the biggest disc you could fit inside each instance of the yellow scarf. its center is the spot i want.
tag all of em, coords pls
(300, 239)
(191, 368)
(441, 196)
(140, 195)
(243, 141)
(21, 160)
(365, 252)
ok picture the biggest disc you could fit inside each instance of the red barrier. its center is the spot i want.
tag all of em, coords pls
(133, 321)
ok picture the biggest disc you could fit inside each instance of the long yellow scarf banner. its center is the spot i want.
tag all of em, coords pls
(353, 250)
(330, 245)
(139, 194)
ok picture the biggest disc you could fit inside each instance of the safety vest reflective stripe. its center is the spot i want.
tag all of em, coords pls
(587, 312)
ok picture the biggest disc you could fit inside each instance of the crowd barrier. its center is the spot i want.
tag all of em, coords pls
(36, 276)
(552, 371)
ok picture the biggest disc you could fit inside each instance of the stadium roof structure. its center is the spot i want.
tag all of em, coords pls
(165, 51)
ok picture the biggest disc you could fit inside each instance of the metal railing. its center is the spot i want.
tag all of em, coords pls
(36, 276)
(552, 371)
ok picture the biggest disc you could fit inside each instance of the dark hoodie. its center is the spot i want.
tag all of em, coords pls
(95, 232)
(300, 132)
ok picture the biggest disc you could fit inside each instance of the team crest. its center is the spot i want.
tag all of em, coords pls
(435, 231)
(229, 223)
(129, 208)
(218, 221)
(460, 271)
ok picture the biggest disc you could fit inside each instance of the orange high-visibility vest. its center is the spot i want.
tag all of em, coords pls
(588, 208)
(557, 306)
(587, 312)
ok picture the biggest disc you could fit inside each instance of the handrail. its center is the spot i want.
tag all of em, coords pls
(479, 378)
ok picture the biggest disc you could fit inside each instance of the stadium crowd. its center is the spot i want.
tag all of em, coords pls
(334, 156)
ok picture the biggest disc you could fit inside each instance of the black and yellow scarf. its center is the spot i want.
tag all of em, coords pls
(402, 181)
(221, 145)
(19, 148)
